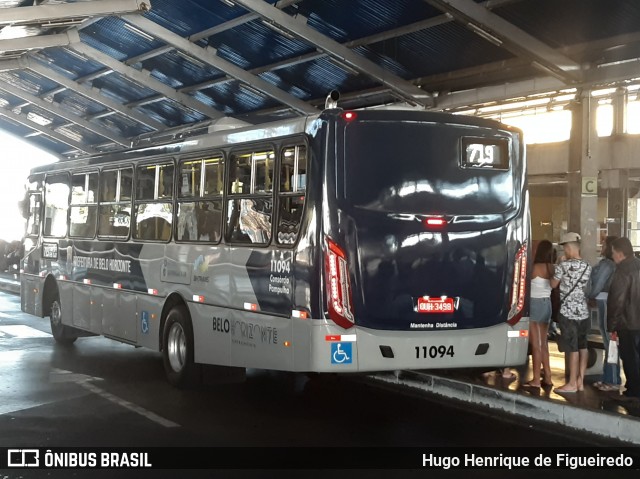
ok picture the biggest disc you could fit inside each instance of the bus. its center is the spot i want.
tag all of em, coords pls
(347, 241)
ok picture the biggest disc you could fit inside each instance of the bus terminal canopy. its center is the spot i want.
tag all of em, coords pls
(85, 77)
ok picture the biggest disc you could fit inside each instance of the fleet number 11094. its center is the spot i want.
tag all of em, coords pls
(424, 352)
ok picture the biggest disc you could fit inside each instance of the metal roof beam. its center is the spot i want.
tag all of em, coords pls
(23, 120)
(90, 92)
(56, 110)
(58, 13)
(595, 77)
(34, 43)
(307, 57)
(207, 56)
(196, 37)
(143, 77)
(337, 51)
(498, 31)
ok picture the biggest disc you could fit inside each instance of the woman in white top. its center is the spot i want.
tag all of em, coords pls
(540, 313)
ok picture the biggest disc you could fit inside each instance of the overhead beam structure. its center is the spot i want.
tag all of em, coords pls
(210, 58)
(56, 110)
(223, 27)
(142, 77)
(308, 57)
(34, 43)
(89, 92)
(500, 32)
(60, 13)
(592, 77)
(338, 52)
(23, 120)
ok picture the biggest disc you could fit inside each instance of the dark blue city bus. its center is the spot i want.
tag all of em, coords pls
(346, 241)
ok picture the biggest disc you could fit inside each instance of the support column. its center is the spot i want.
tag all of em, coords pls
(583, 175)
(617, 184)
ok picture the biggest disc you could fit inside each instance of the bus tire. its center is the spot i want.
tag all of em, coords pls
(177, 349)
(63, 334)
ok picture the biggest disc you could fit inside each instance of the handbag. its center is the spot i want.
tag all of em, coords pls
(612, 357)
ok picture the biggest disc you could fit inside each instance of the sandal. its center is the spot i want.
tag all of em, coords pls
(598, 384)
(547, 385)
(608, 387)
(530, 385)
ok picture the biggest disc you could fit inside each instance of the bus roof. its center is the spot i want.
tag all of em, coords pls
(272, 130)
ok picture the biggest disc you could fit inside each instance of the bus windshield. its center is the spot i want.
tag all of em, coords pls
(424, 167)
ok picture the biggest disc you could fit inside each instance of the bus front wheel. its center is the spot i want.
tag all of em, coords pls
(177, 349)
(63, 334)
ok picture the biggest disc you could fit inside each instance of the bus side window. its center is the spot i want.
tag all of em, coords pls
(114, 211)
(293, 175)
(250, 220)
(250, 203)
(84, 189)
(154, 202)
(57, 191)
(200, 189)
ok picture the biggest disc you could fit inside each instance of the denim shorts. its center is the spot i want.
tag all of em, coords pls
(540, 310)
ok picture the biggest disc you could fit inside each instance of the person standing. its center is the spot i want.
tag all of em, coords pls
(540, 313)
(601, 278)
(572, 274)
(623, 304)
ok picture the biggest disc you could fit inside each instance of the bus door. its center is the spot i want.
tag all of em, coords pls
(32, 211)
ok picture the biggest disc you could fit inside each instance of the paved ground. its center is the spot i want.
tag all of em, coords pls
(103, 393)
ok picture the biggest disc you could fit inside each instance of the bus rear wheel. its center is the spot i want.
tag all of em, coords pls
(64, 335)
(177, 349)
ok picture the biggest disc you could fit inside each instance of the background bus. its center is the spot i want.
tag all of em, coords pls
(342, 242)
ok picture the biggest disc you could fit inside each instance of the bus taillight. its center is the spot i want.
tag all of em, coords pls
(435, 222)
(519, 286)
(338, 285)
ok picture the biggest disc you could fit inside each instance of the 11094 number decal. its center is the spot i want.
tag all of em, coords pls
(424, 352)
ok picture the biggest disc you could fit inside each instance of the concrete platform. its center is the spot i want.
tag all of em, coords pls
(591, 411)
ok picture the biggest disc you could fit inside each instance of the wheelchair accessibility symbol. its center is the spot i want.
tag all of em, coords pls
(341, 353)
(144, 322)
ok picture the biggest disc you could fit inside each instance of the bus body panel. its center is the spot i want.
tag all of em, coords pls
(361, 349)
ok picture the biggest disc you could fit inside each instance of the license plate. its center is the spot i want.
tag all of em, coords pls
(427, 305)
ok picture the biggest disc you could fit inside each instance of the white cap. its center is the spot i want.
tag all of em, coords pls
(570, 238)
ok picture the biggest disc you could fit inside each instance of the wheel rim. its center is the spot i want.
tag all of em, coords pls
(177, 347)
(56, 314)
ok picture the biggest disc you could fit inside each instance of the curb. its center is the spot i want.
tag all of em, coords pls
(600, 423)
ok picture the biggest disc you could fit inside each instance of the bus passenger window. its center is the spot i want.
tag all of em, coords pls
(153, 221)
(33, 224)
(214, 176)
(165, 181)
(263, 172)
(126, 184)
(289, 218)
(249, 220)
(189, 180)
(108, 186)
(293, 183)
(114, 212)
(114, 220)
(56, 205)
(200, 221)
(145, 182)
(240, 177)
(84, 188)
